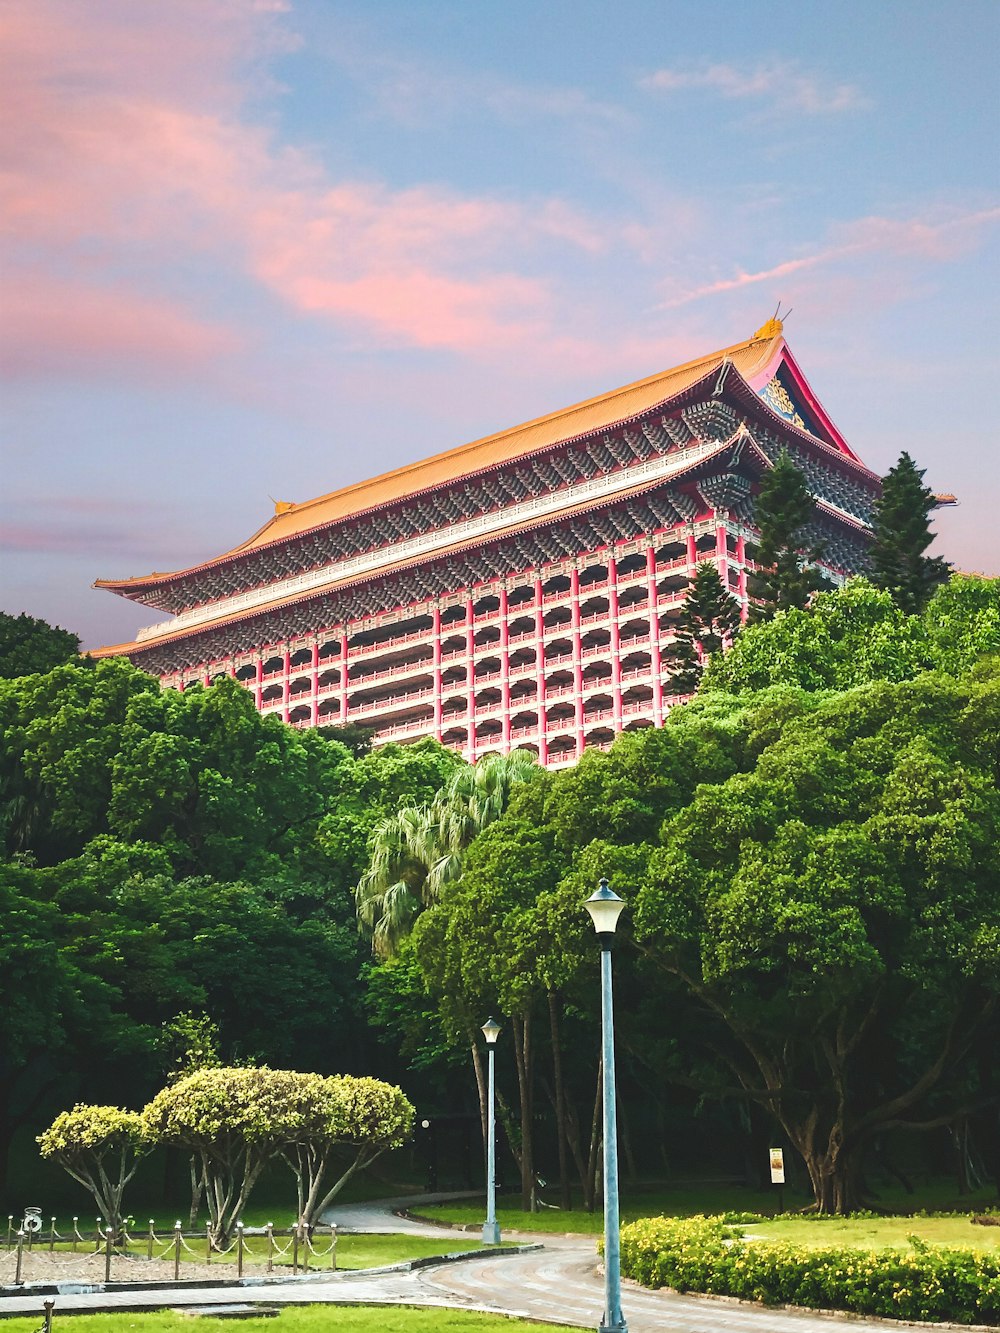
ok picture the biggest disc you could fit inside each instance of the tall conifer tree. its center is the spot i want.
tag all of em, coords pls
(709, 621)
(902, 535)
(782, 511)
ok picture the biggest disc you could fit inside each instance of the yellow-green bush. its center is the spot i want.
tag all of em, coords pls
(704, 1254)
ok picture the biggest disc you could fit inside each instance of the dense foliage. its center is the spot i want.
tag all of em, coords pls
(28, 645)
(923, 1283)
(172, 854)
(902, 535)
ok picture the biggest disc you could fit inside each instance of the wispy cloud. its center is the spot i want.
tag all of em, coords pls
(781, 85)
(914, 238)
(135, 150)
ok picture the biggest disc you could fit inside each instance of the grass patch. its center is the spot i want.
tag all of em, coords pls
(874, 1233)
(710, 1200)
(300, 1319)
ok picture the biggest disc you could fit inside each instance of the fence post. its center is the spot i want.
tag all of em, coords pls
(295, 1248)
(333, 1246)
(107, 1254)
(177, 1250)
(76, 1233)
(98, 1234)
(10, 1231)
(149, 1241)
(270, 1247)
(52, 1234)
(239, 1249)
(20, 1257)
(49, 1306)
(208, 1242)
(305, 1245)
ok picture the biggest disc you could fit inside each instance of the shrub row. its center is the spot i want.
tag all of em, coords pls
(704, 1254)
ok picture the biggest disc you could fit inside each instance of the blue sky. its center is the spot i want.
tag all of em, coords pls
(260, 250)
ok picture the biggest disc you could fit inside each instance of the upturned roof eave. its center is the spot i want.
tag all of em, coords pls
(295, 599)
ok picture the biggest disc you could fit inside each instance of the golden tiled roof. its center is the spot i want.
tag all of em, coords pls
(505, 446)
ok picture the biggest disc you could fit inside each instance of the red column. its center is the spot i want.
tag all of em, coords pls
(692, 554)
(470, 678)
(232, 669)
(438, 688)
(655, 658)
(504, 673)
(741, 557)
(315, 681)
(543, 745)
(208, 675)
(258, 687)
(286, 685)
(722, 553)
(343, 676)
(616, 646)
(574, 592)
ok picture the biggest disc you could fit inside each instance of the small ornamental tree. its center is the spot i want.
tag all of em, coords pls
(782, 511)
(234, 1120)
(709, 622)
(100, 1146)
(902, 534)
(344, 1121)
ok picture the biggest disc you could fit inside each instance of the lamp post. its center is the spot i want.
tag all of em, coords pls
(605, 908)
(491, 1227)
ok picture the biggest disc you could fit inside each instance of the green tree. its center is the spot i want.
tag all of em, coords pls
(901, 523)
(101, 1147)
(340, 1124)
(418, 849)
(783, 509)
(235, 1120)
(709, 622)
(832, 913)
(857, 635)
(29, 646)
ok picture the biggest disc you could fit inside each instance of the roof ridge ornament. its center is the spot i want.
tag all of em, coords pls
(774, 327)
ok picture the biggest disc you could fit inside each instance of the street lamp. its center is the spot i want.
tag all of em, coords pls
(605, 908)
(491, 1227)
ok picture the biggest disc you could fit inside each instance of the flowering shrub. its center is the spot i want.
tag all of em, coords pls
(704, 1254)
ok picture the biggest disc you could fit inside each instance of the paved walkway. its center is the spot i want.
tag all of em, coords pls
(560, 1283)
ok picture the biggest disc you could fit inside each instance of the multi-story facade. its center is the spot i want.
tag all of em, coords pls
(518, 591)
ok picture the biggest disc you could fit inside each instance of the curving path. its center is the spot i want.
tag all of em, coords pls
(558, 1283)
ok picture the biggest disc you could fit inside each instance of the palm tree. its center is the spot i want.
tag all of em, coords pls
(419, 849)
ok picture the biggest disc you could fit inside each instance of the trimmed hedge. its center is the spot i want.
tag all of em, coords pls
(705, 1254)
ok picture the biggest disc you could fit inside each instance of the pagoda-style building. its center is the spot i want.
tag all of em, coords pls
(519, 591)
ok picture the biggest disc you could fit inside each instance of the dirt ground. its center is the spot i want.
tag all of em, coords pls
(41, 1266)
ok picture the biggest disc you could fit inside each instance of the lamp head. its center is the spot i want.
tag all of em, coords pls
(491, 1030)
(605, 907)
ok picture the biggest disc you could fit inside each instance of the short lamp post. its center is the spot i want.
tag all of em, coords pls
(491, 1227)
(605, 908)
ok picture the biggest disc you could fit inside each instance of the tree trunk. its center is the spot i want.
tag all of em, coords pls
(481, 1089)
(522, 1056)
(590, 1182)
(565, 1197)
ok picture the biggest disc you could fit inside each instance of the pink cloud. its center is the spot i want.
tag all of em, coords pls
(51, 325)
(782, 84)
(132, 146)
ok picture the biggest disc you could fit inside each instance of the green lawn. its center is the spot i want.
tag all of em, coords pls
(876, 1233)
(717, 1199)
(301, 1319)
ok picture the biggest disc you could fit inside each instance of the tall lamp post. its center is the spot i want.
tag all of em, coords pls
(491, 1227)
(605, 908)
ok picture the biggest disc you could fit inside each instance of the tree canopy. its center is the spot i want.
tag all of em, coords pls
(29, 646)
(903, 533)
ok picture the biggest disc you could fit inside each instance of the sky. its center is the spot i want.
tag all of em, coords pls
(256, 250)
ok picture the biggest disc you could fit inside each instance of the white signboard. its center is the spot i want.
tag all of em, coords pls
(777, 1157)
